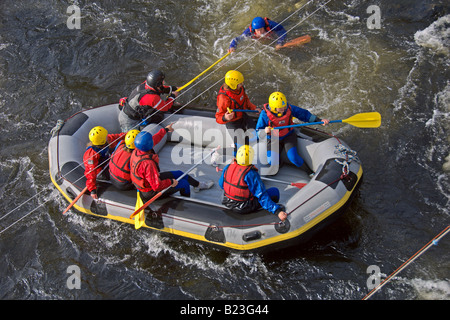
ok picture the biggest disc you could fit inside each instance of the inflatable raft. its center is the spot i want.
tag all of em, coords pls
(311, 202)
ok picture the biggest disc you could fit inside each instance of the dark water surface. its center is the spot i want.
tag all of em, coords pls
(49, 72)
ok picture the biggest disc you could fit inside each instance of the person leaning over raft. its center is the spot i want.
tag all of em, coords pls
(244, 190)
(232, 96)
(97, 154)
(119, 164)
(144, 105)
(145, 172)
(279, 113)
(260, 27)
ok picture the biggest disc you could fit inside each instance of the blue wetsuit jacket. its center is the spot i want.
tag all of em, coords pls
(276, 28)
(258, 189)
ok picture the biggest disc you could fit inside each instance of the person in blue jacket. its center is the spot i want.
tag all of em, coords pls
(279, 113)
(244, 191)
(261, 27)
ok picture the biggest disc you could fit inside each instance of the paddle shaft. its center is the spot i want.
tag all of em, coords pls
(244, 110)
(305, 124)
(294, 184)
(206, 70)
(75, 200)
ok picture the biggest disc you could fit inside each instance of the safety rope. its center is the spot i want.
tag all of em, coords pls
(57, 127)
(433, 241)
(349, 156)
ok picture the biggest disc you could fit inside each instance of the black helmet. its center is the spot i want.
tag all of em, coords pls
(155, 78)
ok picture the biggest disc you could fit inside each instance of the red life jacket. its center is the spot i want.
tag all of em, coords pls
(284, 120)
(237, 100)
(139, 182)
(234, 184)
(119, 165)
(266, 28)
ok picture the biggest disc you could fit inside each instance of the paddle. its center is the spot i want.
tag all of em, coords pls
(160, 193)
(243, 110)
(294, 184)
(140, 217)
(360, 120)
(187, 84)
(295, 42)
(75, 200)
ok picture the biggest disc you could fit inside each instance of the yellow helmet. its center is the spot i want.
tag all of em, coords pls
(277, 100)
(233, 78)
(129, 138)
(244, 155)
(98, 136)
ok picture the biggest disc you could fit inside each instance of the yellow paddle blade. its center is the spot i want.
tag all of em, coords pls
(365, 120)
(140, 217)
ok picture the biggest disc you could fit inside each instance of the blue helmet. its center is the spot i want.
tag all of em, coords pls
(258, 22)
(144, 141)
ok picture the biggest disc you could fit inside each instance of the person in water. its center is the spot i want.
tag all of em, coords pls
(146, 175)
(244, 191)
(119, 164)
(279, 113)
(144, 105)
(96, 156)
(259, 28)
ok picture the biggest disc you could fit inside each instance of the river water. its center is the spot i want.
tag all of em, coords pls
(49, 71)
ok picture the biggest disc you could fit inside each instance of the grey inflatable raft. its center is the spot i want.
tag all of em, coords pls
(310, 202)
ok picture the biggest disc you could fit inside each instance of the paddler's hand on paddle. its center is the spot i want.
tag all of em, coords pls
(174, 183)
(272, 131)
(231, 49)
(229, 115)
(282, 215)
(325, 122)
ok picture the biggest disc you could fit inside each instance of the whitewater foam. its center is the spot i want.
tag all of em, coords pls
(436, 36)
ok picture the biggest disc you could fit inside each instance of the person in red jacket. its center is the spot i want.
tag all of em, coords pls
(96, 156)
(119, 164)
(144, 105)
(145, 172)
(232, 96)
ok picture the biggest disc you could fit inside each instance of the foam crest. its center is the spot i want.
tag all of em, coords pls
(436, 36)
